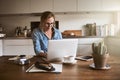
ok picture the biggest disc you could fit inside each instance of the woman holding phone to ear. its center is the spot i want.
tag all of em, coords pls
(46, 31)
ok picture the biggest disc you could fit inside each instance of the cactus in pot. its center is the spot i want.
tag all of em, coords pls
(100, 55)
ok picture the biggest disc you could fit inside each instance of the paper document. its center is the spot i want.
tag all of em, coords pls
(58, 68)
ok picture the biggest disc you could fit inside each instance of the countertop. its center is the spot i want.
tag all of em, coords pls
(65, 37)
(16, 38)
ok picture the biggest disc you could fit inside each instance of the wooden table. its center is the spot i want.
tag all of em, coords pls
(78, 71)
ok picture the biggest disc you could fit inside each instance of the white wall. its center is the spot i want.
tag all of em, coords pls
(76, 21)
(67, 21)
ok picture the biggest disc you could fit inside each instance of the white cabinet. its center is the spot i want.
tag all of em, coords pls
(111, 5)
(89, 5)
(113, 45)
(18, 47)
(1, 48)
(14, 6)
(37, 6)
(98, 5)
(85, 45)
(65, 5)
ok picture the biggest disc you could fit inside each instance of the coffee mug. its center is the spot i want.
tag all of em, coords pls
(68, 59)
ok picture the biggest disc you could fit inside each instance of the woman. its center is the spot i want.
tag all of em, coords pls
(46, 31)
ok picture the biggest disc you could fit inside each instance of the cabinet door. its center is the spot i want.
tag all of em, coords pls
(88, 41)
(85, 45)
(16, 50)
(113, 45)
(31, 47)
(41, 5)
(18, 47)
(84, 49)
(14, 6)
(65, 5)
(1, 47)
(111, 5)
(89, 5)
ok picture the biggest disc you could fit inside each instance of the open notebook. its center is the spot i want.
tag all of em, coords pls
(58, 68)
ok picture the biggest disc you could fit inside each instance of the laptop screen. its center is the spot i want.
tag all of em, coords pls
(57, 49)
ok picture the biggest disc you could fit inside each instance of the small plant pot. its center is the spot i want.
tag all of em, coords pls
(100, 61)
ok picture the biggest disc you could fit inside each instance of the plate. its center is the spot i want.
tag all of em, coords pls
(105, 68)
(84, 58)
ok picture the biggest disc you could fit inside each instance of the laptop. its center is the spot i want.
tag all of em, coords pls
(58, 49)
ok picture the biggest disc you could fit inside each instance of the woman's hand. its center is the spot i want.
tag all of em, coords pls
(41, 54)
(42, 57)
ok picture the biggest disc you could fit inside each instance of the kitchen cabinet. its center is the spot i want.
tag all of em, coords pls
(14, 6)
(37, 6)
(18, 47)
(1, 48)
(98, 5)
(89, 5)
(113, 45)
(65, 5)
(111, 5)
(85, 45)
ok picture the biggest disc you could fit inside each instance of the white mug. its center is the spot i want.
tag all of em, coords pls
(68, 59)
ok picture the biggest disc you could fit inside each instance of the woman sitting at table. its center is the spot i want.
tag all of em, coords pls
(46, 31)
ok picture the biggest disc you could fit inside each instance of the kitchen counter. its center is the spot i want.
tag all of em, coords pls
(16, 38)
(65, 37)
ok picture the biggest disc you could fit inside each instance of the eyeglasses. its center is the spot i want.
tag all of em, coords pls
(49, 24)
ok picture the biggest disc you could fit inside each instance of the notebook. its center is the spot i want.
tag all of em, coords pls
(58, 49)
(58, 68)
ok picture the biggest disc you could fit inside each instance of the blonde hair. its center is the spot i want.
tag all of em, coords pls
(46, 15)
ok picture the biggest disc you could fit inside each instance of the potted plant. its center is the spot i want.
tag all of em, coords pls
(100, 54)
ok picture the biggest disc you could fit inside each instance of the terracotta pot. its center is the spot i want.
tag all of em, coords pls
(100, 61)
